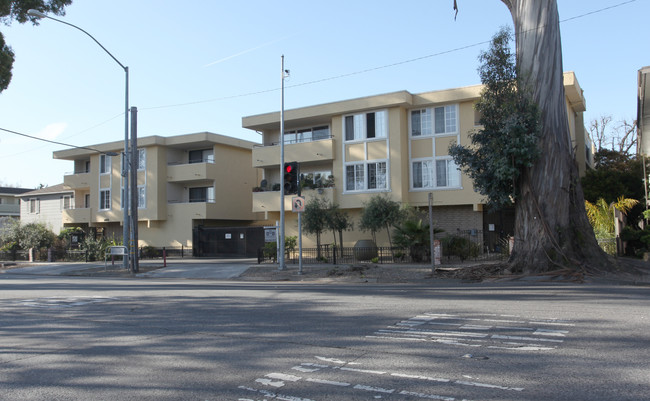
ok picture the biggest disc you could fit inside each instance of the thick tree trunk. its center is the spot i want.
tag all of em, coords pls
(551, 229)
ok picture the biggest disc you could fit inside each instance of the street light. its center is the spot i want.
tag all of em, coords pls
(125, 161)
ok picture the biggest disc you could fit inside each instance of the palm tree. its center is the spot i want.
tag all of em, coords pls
(602, 217)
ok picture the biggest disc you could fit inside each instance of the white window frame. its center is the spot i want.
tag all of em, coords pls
(104, 164)
(34, 206)
(429, 122)
(66, 199)
(430, 181)
(105, 196)
(142, 159)
(360, 126)
(142, 197)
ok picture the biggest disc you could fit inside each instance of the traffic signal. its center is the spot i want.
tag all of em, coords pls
(290, 178)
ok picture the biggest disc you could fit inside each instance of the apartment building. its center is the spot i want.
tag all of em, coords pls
(185, 184)
(394, 144)
(46, 205)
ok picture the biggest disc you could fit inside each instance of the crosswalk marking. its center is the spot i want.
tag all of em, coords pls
(488, 330)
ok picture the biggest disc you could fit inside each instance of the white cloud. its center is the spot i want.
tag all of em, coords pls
(52, 131)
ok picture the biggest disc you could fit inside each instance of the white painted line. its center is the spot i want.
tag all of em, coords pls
(274, 395)
(269, 382)
(428, 396)
(500, 337)
(434, 379)
(547, 332)
(373, 372)
(476, 384)
(333, 383)
(305, 370)
(282, 376)
(374, 389)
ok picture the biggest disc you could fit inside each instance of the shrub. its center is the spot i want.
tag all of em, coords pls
(462, 247)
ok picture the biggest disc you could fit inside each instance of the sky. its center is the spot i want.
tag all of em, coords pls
(200, 65)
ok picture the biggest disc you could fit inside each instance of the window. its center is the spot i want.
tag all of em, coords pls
(66, 202)
(447, 174)
(34, 206)
(306, 135)
(377, 175)
(366, 126)
(422, 174)
(202, 194)
(142, 159)
(354, 178)
(86, 201)
(104, 199)
(366, 176)
(104, 164)
(142, 199)
(438, 120)
(201, 156)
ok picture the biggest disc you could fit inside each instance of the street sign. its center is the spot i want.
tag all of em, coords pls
(298, 204)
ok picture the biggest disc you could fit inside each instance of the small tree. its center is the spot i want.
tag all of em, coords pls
(508, 141)
(380, 213)
(313, 219)
(601, 217)
(338, 221)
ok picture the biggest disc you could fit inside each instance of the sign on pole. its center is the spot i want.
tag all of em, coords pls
(298, 204)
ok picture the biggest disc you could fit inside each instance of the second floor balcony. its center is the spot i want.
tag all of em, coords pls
(76, 216)
(77, 180)
(189, 172)
(309, 151)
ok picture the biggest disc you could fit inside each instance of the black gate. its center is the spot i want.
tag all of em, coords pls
(227, 242)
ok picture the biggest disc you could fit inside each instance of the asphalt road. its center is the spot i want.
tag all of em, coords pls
(75, 338)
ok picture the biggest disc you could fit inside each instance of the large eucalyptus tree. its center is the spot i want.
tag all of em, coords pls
(551, 228)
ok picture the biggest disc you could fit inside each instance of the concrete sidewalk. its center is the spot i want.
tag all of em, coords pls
(218, 269)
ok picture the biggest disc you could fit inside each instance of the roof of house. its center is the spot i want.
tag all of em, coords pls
(14, 190)
(53, 189)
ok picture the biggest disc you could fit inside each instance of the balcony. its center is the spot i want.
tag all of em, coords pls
(9, 209)
(269, 201)
(191, 172)
(195, 210)
(77, 180)
(301, 152)
(76, 216)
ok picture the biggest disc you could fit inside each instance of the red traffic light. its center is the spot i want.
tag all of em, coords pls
(288, 168)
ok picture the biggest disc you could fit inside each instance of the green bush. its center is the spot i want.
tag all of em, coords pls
(454, 245)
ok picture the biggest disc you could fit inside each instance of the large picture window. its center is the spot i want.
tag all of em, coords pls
(437, 120)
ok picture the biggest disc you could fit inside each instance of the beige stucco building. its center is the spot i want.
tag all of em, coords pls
(394, 144)
(183, 183)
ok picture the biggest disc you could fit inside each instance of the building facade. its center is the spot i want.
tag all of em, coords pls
(10, 201)
(46, 205)
(184, 183)
(394, 144)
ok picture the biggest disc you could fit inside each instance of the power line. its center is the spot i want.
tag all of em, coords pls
(454, 50)
(50, 141)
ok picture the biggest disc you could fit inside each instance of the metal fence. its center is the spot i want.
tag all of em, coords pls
(470, 245)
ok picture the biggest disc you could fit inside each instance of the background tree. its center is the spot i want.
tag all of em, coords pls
(11, 10)
(621, 138)
(379, 213)
(508, 141)
(615, 175)
(551, 226)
